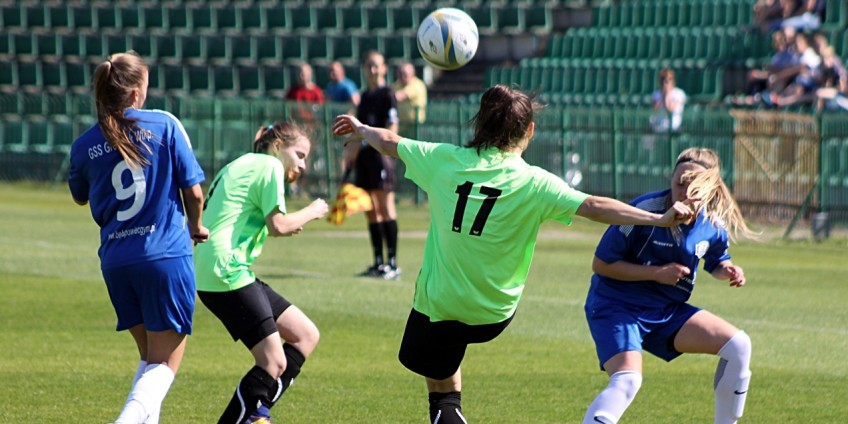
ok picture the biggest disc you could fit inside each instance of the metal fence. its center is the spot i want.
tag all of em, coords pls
(777, 164)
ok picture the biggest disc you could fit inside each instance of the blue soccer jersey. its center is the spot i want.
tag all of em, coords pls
(648, 245)
(138, 210)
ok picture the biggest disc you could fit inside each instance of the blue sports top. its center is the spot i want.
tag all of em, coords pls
(140, 212)
(648, 245)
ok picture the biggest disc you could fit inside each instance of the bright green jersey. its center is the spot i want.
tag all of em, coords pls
(485, 214)
(239, 199)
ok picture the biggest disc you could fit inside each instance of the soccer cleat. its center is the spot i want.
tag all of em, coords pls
(373, 271)
(391, 272)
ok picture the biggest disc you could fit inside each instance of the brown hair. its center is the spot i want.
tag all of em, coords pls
(666, 73)
(716, 200)
(504, 117)
(286, 132)
(114, 82)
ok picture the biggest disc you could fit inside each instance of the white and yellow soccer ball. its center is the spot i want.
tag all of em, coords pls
(448, 38)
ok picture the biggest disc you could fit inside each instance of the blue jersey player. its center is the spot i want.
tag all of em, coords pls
(136, 170)
(643, 278)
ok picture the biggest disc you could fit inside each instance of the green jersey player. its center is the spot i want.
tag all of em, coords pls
(486, 206)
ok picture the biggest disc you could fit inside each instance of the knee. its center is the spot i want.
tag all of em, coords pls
(629, 382)
(738, 347)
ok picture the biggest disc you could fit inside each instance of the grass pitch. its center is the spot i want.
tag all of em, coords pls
(61, 360)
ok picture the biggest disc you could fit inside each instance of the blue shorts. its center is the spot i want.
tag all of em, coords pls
(158, 294)
(618, 327)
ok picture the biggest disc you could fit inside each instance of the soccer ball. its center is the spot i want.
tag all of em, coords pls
(448, 38)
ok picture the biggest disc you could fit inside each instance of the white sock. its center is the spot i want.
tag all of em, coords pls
(147, 394)
(732, 378)
(154, 417)
(611, 403)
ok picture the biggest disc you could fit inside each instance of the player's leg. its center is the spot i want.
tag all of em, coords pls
(618, 343)
(705, 332)
(445, 398)
(301, 336)
(625, 379)
(388, 218)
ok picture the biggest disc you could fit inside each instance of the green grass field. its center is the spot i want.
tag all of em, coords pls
(61, 360)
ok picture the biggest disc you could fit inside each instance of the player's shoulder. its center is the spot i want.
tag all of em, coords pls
(654, 201)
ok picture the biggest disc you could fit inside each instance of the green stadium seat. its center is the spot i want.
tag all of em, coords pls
(241, 48)
(190, 48)
(250, 18)
(36, 17)
(29, 75)
(172, 78)
(115, 43)
(76, 75)
(510, 19)
(13, 18)
(8, 76)
(345, 49)
(155, 18)
(106, 18)
(276, 18)
(23, 45)
(178, 19)
(202, 19)
(317, 49)
(92, 47)
(227, 19)
(404, 18)
(30, 103)
(82, 17)
(301, 18)
(52, 76)
(215, 49)
(836, 15)
(268, 49)
(395, 48)
(37, 135)
(352, 19)
(143, 45)
(293, 48)
(60, 133)
(601, 15)
(47, 46)
(200, 81)
(154, 82)
(538, 19)
(250, 80)
(131, 18)
(224, 80)
(379, 19)
(276, 80)
(484, 17)
(12, 137)
(327, 20)
(59, 17)
(366, 43)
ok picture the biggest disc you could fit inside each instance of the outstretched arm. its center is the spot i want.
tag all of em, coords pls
(611, 211)
(282, 225)
(381, 139)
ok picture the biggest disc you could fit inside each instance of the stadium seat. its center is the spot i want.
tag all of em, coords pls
(52, 76)
(115, 43)
(8, 76)
(538, 19)
(276, 80)
(228, 19)
(250, 80)
(301, 18)
(172, 78)
(190, 48)
(76, 75)
(12, 138)
(268, 49)
(36, 17)
(352, 19)
(13, 18)
(510, 19)
(31, 103)
(241, 48)
(216, 49)
(82, 18)
(485, 19)
(92, 47)
(23, 45)
(276, 18)
(59, 18)
(106, 18)
(200, 81)
(395, 48)
(155, 19)
(224, 80)
(344, 48)
(203, 19)
(326, 19)
(29, 75)
(404, 18)
(178, 19)
(317, 49)
(37, 135)
(131, 18)
(379, 19)
(60, 133)
(143, 45)
(47, 46)
(250, 18)
(292, 48)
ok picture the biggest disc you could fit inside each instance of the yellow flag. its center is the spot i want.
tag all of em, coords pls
(350, 200)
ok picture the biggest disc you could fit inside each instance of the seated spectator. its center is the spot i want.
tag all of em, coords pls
(341, 89)
(411, 96)
(783, 58)
(304, 90)
(668, 103)
(767, 14)
(805, 78)
(834, 87)
(808, 17)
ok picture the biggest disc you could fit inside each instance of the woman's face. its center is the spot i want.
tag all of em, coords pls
(294, 158)
(679, 185)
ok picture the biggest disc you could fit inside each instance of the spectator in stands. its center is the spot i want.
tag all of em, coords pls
(341, 89)
(783, 58)
(807, 17)
(834, 87)
(668, 101)
(803, 79)
(767, 15)
(375, 172)
(411, 95)
(304, 90)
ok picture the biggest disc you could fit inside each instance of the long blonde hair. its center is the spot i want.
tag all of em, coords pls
(114, 82)
(716, 200)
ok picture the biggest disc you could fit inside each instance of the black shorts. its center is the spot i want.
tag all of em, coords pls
(374, 171)
(435, 349)
(249, 313)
